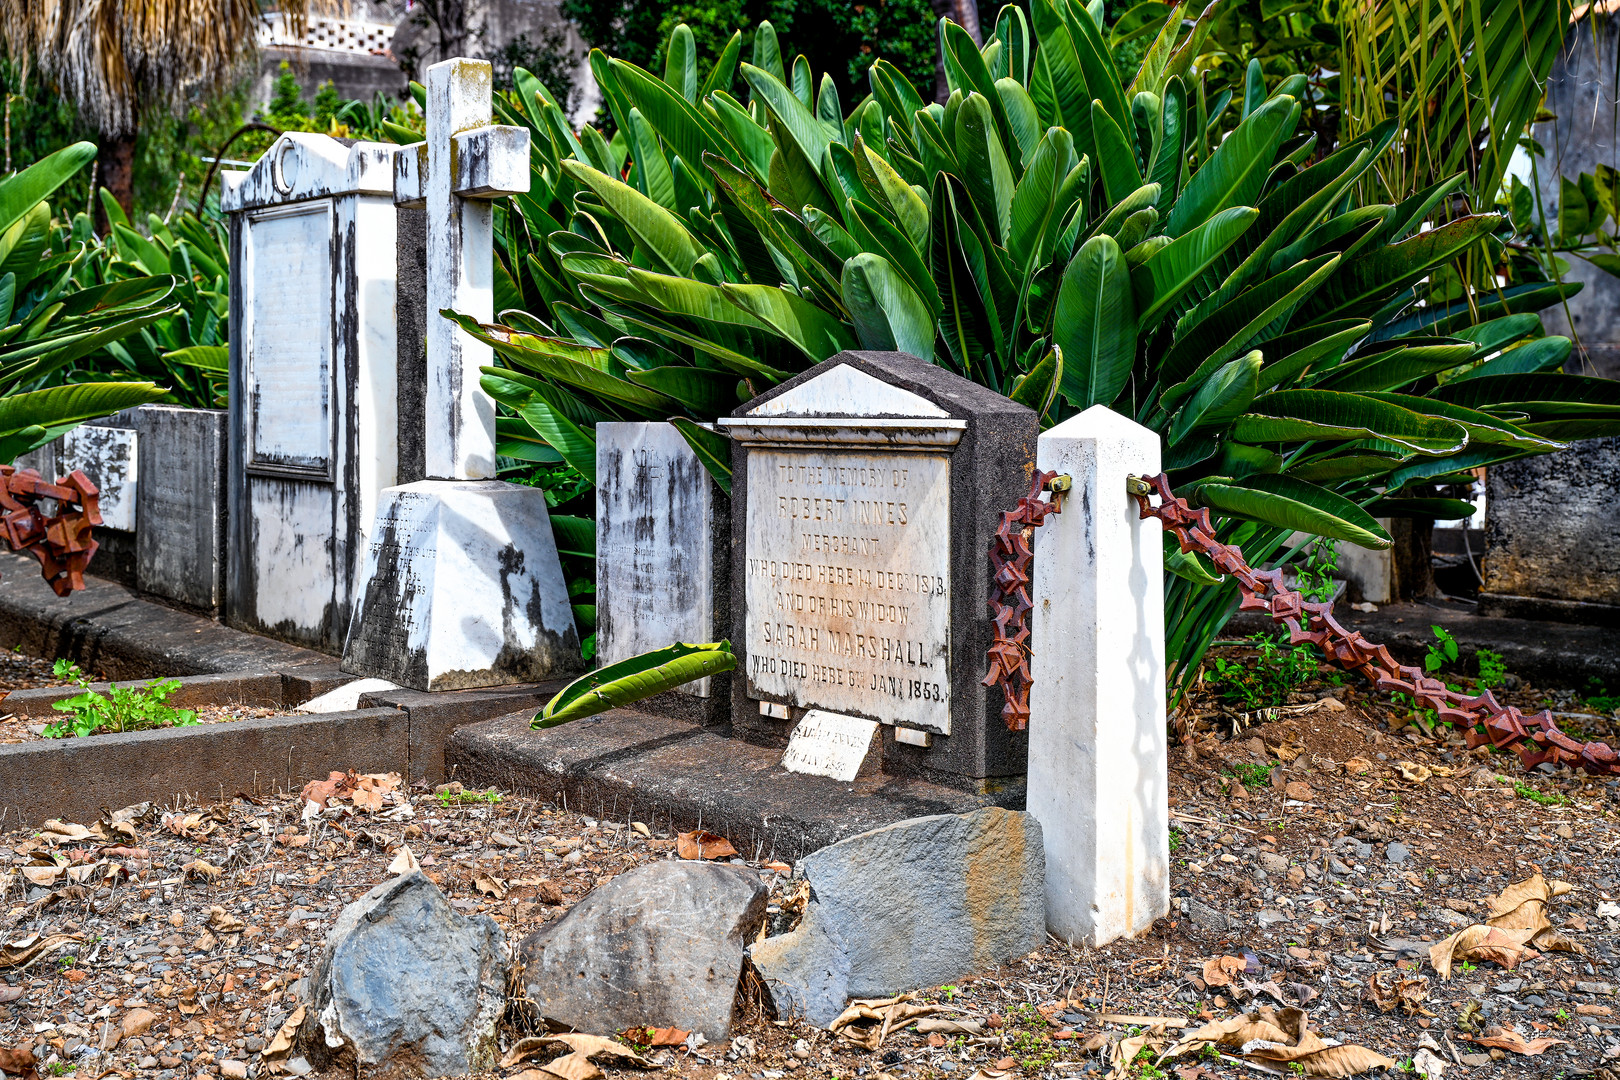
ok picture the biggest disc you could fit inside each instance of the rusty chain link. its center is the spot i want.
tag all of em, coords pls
(1480, 717)
(1010, 605)
(61, 542)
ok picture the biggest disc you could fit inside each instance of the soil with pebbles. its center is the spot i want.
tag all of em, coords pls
(1320, 876)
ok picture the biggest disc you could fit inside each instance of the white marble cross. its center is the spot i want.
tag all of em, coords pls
(464, 163)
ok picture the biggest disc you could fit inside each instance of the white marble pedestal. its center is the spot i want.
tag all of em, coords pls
(463, 589)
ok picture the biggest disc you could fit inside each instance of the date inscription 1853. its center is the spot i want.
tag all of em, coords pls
(848, 583)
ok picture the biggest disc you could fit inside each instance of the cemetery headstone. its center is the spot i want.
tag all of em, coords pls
(867, 491)
(1550, 547)
(662, 532)
(313, 421)
(462, 583)
(110, 457)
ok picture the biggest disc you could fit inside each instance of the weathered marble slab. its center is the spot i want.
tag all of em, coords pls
(848, 581)
(109, 456)
(463, 589)
(655, 575)
(831, 745)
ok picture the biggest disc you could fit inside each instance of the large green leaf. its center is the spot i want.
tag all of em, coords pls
(1393, 368)
(1291, 503)
(565, 361)
(1365, 284)
(688, 132)
(22, 191)
(817, 334)
(1300, 415)
(1095, 324)
(59, 405)
(1235, 173)
(1543, 354)
(712, 449)
(1540, 394)
(576, 444)
(1165, 277)
(1222, 398)
(800, 123)
(703, 392)
(660, 232)
(1482, 427)
(631, 680)
(888, 314)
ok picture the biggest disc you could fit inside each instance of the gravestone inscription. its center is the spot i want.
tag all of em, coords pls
(869, 488)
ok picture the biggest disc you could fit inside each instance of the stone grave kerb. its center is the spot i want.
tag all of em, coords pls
(990, 442)
(313, 416)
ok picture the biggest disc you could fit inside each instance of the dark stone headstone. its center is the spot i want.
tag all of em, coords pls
(865, 495)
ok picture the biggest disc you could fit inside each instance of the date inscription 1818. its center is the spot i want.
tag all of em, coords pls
(848, 583)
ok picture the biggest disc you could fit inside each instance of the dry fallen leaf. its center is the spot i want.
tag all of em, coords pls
(1428, 1066)
(60, 832)
(337, 785)
(490, 885)
(1220, 970)
(1523, 906)
(1357, 765)
(202, 870)
(18, 1062)
(404, 862)
(1389, 990)
(1500, 1038)
(21, 952)
(1480, 943)
(1124, 1055)
(1344, 1060)
(668, 1036)
(284, 1038)
(703, 845)
(576, 1045)
(224, 921)
(1261, 1024)
(1412, 771)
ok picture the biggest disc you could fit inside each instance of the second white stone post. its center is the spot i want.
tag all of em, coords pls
(1097, 754)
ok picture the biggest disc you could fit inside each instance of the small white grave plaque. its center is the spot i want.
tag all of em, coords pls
(288, 343)
(828, 744)
(109, 457)
(848, 581)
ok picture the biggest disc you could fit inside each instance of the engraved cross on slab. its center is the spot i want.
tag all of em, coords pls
(464, 164)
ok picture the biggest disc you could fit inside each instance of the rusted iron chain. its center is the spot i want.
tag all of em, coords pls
(61, 542)
(1010, 605)
(1480, 717)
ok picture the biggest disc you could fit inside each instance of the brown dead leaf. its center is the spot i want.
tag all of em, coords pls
(668, 1036)
(1500, 1038)
(337, 785)
(404, 862)
(223, 921)
(703, 845)
(572, 1045)
(490, 885)
(1346, 1059)
(867, 1021)
(1261, 1024)
(1389, 990)
(370, 789)
(1481, 943)
(284, 1038)
(44, 876)
(19, 1062)
(1357, 765)
(1124, 1055)
(202, 870)
(1413, 772)
(21, 952)
(56, 832)
(1222, 969)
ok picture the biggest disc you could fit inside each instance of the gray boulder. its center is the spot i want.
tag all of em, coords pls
(406, 986)
(661, 945)
(913, 904)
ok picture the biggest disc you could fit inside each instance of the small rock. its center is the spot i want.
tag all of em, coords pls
(406, 987)
(1331, 704)
(1272, 863)
(233, 1070)
(1475, 1061)
(1207, 918)
(916, 903)
(1299, 791)
(1397, 853)
(1602, 988)
(661, 945)
(1594, 1010)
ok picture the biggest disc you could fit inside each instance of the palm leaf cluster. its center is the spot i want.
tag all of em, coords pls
(1060, 231)
(48, 321)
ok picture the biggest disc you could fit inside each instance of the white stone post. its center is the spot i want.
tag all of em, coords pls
(1097, 757)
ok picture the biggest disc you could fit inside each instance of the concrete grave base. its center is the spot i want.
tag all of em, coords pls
(463, 589)
(675, 774)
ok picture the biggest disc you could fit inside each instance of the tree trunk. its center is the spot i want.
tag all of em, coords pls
(117, 175)
(1412, 556)
(452, 29)
(965, 13)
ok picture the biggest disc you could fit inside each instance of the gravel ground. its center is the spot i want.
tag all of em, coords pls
(1324, 851)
